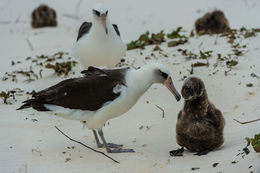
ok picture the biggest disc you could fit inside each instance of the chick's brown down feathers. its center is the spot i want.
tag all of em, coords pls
(212, 23)
(200, 124)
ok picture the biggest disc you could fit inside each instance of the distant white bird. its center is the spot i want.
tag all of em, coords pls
(100, 95)
(99, 42)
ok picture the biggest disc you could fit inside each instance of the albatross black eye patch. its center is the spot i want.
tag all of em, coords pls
(164, 75)
(96, 12)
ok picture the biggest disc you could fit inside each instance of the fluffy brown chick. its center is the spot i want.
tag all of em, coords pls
(200, 124)
(43, 16)
(212, 23)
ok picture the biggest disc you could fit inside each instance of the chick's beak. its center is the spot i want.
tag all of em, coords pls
(103, 21)
(168, 83)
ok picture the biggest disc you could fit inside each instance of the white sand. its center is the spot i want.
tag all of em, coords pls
(27, 146)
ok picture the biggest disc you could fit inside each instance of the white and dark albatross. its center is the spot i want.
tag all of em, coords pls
(100, 95)
(99, 42)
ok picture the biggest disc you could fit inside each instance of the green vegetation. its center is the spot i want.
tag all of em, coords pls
(231, 63)
(255, 142)
(145, 39)
(62, 68)
(5, 95)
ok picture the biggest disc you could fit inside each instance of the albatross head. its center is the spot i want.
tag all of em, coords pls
(100, 12)
(161, 74)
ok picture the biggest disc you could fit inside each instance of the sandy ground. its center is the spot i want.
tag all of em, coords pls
(27, 145)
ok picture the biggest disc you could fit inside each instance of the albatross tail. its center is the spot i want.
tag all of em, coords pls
(34, 103)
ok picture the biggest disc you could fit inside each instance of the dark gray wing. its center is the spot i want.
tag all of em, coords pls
(86, 93)
(116, 29)
(116, 75)
(84, 29)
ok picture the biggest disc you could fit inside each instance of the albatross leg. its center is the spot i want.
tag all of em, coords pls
(109, 150)
(99, 145)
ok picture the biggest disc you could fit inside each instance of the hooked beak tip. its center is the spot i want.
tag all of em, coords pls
(168, 83)
(178, 97)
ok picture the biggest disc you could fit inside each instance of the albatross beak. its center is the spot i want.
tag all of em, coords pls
(168, 83)
(103, 21)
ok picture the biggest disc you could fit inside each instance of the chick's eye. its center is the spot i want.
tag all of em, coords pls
(96, 12)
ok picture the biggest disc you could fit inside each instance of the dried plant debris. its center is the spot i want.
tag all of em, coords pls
(5, 95)
(43, 16)
(195, 168)
(212, 23)
(147, 39)
(215, 164)
(44, 61)
(177, 42)
(190, 55)
(254, 75)
(36, 151)
(62, 68)
(249, 32)
(255, 142)
(233, 34)
(200, 64)
(29, 74)
(192, 33)
(67, 160)
(156, 48)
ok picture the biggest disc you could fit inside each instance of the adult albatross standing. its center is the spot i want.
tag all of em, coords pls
(100, 95)
(98, 42)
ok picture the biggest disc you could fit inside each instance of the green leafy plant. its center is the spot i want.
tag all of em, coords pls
(176, 34)
(145, 39)
(231, 63)
(249, 85)
(5, 95)
(255, 142)
(205, 54)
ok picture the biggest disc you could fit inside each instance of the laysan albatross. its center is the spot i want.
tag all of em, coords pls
(100, 95)
(98, 42)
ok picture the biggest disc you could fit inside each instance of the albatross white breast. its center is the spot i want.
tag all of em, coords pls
(100, 95)
(98, 42)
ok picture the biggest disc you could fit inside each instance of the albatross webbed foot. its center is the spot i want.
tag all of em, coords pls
(108, 147)
(120, 150)
(202, 153)
(177, 152)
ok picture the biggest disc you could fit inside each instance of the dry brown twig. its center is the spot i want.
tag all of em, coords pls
(246, 122)
(85, 145)
(161, 110)
(30, 44)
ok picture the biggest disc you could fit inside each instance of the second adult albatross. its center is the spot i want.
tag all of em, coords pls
(98, 42)
(100, 95)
